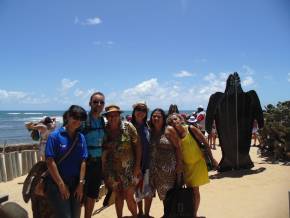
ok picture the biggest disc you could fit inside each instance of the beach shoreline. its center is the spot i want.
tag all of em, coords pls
(259, 192)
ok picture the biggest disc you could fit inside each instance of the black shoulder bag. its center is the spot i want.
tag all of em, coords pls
(179, 200)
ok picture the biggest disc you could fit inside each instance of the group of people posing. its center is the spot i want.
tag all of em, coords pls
(134, 159)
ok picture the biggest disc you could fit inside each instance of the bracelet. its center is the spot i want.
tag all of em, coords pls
(82, 181)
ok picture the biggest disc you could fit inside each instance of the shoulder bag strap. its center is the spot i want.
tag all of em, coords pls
(64, 156)
(195, 138)
(69, 150)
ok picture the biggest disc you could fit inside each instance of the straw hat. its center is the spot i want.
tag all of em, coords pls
(112, 108)
(141, 104)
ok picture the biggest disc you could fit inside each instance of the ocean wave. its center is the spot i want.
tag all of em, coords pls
(32, 113)
(13, 113)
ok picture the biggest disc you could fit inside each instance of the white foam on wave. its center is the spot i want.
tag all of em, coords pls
(58, 119)
(32, 113)
(13, 113)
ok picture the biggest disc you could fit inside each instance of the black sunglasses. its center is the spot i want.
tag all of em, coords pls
(98, 102)
(141, 109)
(78, 118)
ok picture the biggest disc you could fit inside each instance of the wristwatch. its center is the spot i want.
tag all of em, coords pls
(82, 181)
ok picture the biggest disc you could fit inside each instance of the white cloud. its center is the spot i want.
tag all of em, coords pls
(248, 81)
(214, 83)
(79, 93)
(288, 77)
(22, 98)
(67, 84)
(248, 70)
(84, 94)
(183, 73)
(89, 21)
(107, 44)
(158, 94)
(16, 95)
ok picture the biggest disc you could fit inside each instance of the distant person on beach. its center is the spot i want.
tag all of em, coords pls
(93, 130)
(45, 127)
(194, 165)
(121, 159)
(65, 183)
(212, 137)
(200, 118)
(173, 109)
(143, 190)
(166, 160)
(255, 134)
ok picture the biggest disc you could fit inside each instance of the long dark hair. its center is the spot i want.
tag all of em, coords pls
(163, 117)
(133, 121)
(173, 109)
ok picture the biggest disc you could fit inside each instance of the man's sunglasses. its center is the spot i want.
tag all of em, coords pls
(98, 102)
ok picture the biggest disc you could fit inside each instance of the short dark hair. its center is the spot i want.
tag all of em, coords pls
(47, 120)
(78, 112)
(96, 93)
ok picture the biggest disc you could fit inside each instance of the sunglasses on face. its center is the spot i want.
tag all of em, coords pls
(141, 110)
(98, 102)
(77, 118)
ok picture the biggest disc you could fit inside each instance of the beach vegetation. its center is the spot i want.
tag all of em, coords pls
(275, 136)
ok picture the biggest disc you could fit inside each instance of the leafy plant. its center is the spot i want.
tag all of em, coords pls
(275, 136)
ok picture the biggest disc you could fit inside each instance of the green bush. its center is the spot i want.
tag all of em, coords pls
(275, 136)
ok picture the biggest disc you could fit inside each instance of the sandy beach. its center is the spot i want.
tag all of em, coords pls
(256, 193)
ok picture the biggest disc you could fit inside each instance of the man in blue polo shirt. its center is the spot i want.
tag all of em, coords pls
(94, 133)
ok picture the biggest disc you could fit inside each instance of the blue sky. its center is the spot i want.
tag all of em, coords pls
(56, 53)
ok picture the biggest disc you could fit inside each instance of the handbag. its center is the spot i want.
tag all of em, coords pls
(35, 180)
(179, 201)
(203, 149)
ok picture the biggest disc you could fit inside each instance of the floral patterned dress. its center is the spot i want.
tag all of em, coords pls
(163, 165)
(120, 160)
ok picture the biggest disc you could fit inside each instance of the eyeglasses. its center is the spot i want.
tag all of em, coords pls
(141, 109)
(98, 102)
(77, 118)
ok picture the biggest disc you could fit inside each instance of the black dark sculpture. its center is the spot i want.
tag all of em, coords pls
(234, 112)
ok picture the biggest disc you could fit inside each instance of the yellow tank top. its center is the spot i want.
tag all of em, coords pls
(190, 149)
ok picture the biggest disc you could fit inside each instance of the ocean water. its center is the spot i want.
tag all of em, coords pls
(12, 124)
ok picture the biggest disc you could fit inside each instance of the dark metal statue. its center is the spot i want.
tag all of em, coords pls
(234, 112)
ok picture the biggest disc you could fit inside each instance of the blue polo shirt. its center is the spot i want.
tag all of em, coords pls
(57, 144)
(94, 135)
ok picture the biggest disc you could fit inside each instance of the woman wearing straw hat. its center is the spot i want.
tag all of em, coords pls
(121, 159)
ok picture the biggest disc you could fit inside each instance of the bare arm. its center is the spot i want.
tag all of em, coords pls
(40, 127)
(52, 168)
(80, 188)
(173, 137)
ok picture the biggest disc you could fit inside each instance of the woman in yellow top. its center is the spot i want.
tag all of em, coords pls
(194, 165)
